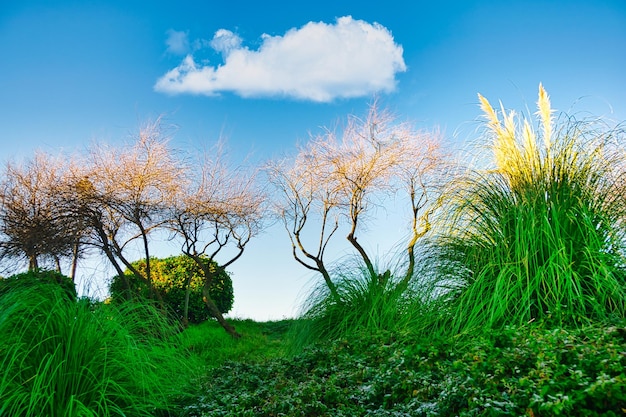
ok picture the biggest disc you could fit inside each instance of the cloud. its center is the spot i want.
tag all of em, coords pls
(225, 41)
(177, 42)
(318, 62)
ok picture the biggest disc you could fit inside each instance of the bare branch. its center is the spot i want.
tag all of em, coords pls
(218, 211)
(335, 180)
(35, 221)
(124, 193)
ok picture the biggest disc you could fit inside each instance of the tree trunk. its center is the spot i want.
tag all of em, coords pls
(75, 253)
(417, 234)
(186, 306)
(148, 278)
(366, 259)
(329, 282)
(57, 262)
(106, 248)
(215, 312)
(33, 265)
(208, 279)
(204, 264)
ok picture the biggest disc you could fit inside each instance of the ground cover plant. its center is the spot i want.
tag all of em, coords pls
(532, 371)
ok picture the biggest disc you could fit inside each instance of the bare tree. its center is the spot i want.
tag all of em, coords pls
(337, 181)
(216, 216)
(35, 224)
(305, 202)
(124, 193)
(421, 173)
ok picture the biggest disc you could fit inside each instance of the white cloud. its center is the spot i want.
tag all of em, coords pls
(177, 42)
(225, 41)
(318, 62)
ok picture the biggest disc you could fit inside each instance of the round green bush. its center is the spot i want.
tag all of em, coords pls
(169, 276)
(36, 278)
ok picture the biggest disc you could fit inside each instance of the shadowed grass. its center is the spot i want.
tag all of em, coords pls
(66, 358)
(541, 236)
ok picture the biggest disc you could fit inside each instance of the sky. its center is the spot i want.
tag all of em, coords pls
(265, 76)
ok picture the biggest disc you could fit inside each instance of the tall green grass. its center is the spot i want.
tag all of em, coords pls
(541, 235)
(74, 358)
(366, 305)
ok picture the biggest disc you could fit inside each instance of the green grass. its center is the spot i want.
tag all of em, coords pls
(132, 369)
(541, 236)
(365, 304)
(73, 358)
(213, 347)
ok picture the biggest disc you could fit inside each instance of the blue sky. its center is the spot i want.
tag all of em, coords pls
(266, 74)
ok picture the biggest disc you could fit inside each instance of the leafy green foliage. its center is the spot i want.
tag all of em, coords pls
(68, 359)
(170, 277)
(516, 371)
(38, 278)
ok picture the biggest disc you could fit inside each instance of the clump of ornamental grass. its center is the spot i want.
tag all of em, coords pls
(541, 235)
(364, 304)
(67, 358)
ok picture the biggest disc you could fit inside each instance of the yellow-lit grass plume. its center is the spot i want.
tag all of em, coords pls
(541, 234)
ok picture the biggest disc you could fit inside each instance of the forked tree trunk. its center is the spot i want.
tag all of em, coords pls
(366, 259)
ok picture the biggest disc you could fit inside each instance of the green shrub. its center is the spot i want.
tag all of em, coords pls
(70, 359)
(37, 278)
(169, 276)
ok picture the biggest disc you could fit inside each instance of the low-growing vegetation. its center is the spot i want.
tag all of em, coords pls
(532, 371)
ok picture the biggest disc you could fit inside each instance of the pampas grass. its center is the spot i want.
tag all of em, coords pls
(540, 235)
